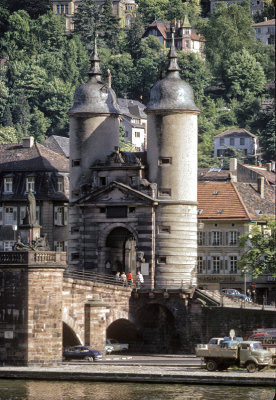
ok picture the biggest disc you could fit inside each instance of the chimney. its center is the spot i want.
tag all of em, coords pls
(28, 142)
(261, 186)
(269, 167)
(265, 19)
(233, 165)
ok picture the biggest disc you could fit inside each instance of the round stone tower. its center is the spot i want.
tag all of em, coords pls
(172, 160)
(94, 126)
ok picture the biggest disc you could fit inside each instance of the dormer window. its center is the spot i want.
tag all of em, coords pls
(60, 184)
(8, 185)
(30, 184)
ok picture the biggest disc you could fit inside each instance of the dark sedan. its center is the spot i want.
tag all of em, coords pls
(82, 353)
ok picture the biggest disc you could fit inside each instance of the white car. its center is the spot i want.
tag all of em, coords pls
(116, 345)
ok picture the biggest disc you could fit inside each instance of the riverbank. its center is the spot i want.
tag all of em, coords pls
(95, 372)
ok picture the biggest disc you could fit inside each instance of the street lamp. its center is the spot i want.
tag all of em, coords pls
(14, 228)
(245, 271)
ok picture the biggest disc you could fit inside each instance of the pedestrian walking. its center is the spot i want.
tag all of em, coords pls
(124, 279)
(117, 277)
(139, 280)
(130, 279)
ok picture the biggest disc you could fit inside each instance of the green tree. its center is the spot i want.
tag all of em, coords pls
(243, 76)
(227, 31)
(33, 7)
(8, 134)
(195, 72)
(134, 37)
(6, 119)
(110, 29)
(86, 20)
(38, 125)
(259, 248)
(153, 10)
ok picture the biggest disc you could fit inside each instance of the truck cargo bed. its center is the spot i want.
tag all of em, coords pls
(205, 352)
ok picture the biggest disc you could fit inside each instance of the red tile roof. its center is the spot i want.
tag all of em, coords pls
(220, 201)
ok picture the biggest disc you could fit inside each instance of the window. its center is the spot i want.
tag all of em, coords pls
(232, 141)
(164, 229)
(75, 163)
(131, 210)
(187, 31)
(187, 44)
(60, 184)
(216, 238)
(233, 264)
(199, 265)
(30, 184)
(8, 185)
(22, 214)
(10, 216)
(58, 9)
(60, 216)
(116, 212)
(62, 9)
(201, 238)
(162, 260)
(216, 264)
(165, 161)
(164, 192)
(66, 9)
(75, 256)
(221, 141)
(8, 245)
(137, 134)
(242, 141)
(233, 238)
(60, 246)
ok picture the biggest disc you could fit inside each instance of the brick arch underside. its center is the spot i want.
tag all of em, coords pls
(108, 229)
(73, 326)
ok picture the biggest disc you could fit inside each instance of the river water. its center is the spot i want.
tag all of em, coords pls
(63, 390)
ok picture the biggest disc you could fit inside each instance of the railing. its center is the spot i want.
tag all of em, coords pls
(11, 257)
(94, 277)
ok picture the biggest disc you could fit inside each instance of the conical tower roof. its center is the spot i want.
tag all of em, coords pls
(171, 93)
(95, 97)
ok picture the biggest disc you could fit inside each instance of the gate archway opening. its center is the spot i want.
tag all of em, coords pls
(157, 326)
(121, 250)
(69, 337)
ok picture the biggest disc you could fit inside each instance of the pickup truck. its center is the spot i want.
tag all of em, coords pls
(116, 345)
(247, 354)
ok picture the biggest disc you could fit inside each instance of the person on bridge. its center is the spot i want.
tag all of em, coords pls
(117, 277)
(124, 279)
(130, 279)
(139, 280)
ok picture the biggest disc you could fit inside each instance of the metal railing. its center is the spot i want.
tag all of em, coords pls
(93, 277)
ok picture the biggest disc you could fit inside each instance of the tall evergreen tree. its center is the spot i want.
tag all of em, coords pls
(109, 29)
(134, 37)
(86, 20)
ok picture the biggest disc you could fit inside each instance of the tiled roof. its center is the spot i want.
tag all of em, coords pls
(268, 175)
(237, 132)
(132, 108)
(270, 22)
(212, 174)
(256, 206)
(220, 201)
(15, 157)
(59, 144)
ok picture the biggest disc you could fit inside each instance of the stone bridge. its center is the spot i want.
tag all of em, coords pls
(44, 308)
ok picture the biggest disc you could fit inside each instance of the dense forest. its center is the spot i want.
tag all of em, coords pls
(41, 66)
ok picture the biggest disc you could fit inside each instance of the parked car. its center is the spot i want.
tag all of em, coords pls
(116, 345)
(109, 349)
(82, 353)
(235, 294)
(215, 342)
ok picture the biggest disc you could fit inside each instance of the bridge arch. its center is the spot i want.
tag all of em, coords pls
(71, 330)
(157, 326)
(123, 330)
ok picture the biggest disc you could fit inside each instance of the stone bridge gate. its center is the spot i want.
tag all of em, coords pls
(42, 310)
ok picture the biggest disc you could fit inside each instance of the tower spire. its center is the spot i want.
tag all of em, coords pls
(95, 69)
(173, 65)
